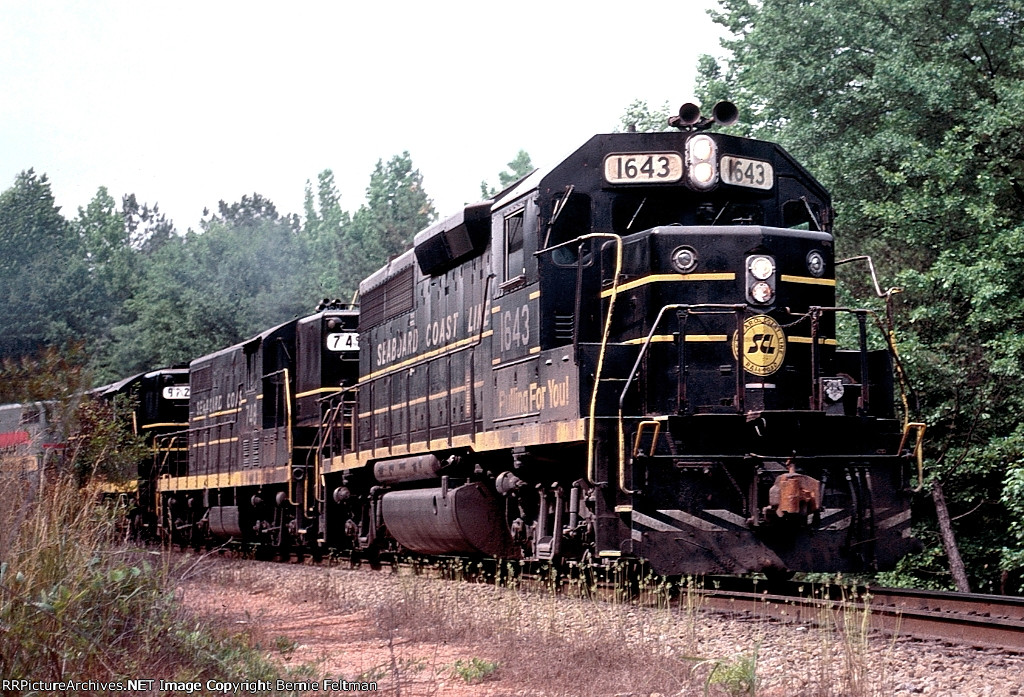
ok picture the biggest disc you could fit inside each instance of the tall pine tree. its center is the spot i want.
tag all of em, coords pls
(396, 208)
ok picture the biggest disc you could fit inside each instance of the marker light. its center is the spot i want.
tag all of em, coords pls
(684, 259)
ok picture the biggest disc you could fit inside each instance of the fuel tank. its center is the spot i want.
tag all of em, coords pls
(225, 522)
(469, 519)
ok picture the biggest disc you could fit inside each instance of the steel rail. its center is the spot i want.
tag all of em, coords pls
(977, 620)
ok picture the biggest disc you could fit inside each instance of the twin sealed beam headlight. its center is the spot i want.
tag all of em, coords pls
(702, 161)
(760, 279)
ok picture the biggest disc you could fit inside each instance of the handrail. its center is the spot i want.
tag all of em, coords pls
(653, 423)
(288, 433)
(919, 428)
(338, 407)
(591, 474)
(861, 314)
(640, 432)
(289, 439)
(591, 436)
(874, 277)
(813, 314)
(636, 369)
(319, 486)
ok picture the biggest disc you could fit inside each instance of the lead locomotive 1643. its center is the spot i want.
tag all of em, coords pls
(630, 355)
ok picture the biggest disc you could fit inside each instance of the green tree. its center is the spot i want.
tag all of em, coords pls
(111, 261)
(53, 374)
(104, 445)
(148, 228)
(30, 223)
(396, 208)
(44, 279)
(519, 167)
(640, 117)
(243, 273)
(909, 111)
(257, 261)
(324, 227)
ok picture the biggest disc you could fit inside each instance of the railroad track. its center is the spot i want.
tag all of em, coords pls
(969, 619)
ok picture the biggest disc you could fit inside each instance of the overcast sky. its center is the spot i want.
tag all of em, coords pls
(187, 103)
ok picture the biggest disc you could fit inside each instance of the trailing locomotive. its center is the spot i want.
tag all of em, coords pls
(158, 405)
(631, 355)
(32, 437)
(255, 416)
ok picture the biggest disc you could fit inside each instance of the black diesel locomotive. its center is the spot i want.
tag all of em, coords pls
(255, 421)
(157, 404)
(630, 355)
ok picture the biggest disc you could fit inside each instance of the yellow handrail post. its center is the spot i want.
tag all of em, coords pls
(919, 429)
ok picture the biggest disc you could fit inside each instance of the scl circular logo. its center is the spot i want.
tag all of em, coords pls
(764, 345)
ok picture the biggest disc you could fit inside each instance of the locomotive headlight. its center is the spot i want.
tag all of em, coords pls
(761, 268)
(702, 148)
(684, 259)
(816, 264)
(703, 173)
(701, 161)
(761, 277)
(761, 292)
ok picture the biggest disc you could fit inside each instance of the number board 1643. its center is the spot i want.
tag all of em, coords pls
(643, 167)
(754, 174)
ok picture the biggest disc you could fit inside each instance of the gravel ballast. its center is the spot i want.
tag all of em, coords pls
(414, 635)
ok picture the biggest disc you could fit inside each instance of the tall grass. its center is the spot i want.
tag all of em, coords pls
(78, 605)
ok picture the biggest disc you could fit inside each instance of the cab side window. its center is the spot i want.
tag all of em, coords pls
(573, 221)
(515, 255)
